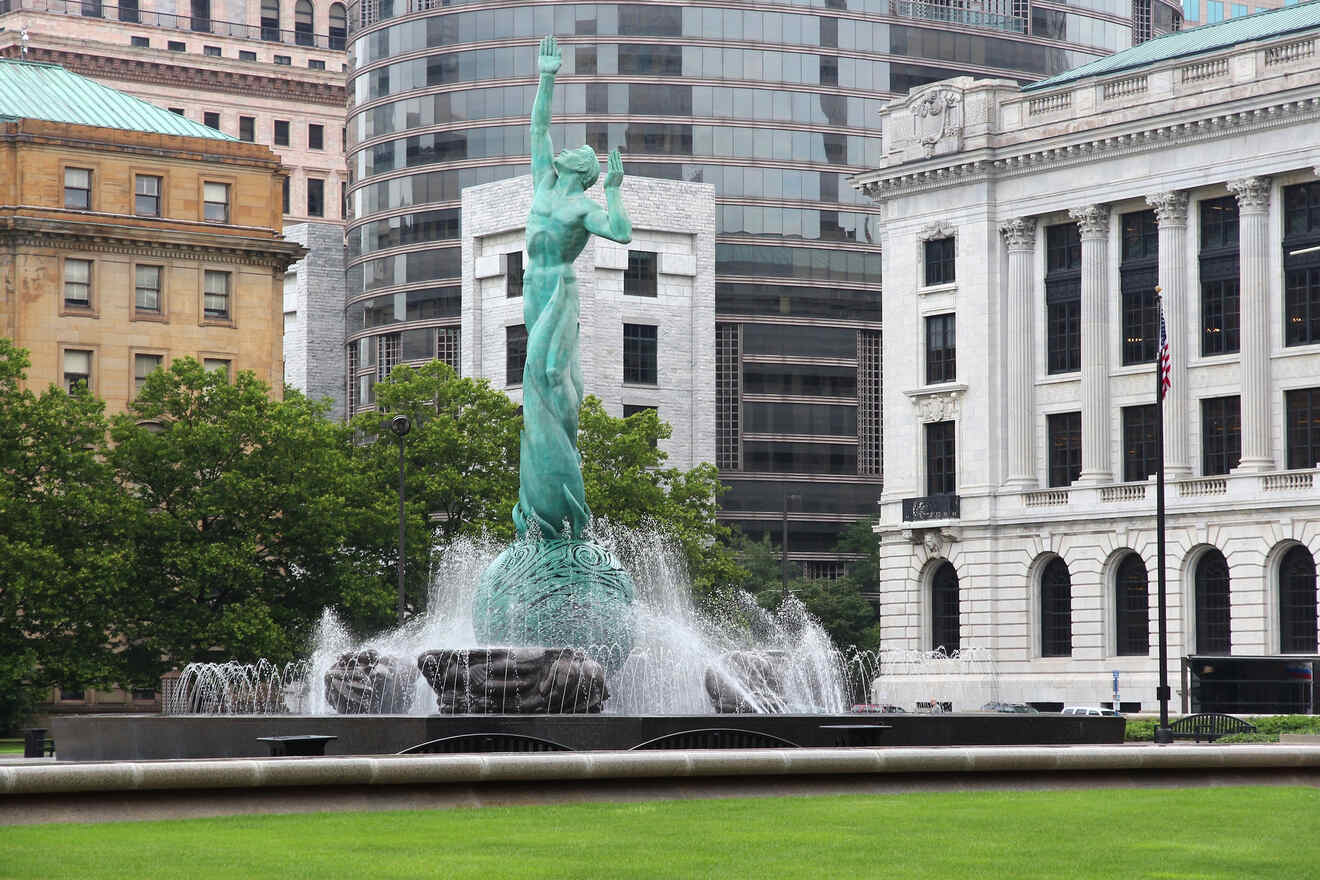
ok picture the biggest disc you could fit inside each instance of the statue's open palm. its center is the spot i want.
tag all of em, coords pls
(614, 171)
(550, 58)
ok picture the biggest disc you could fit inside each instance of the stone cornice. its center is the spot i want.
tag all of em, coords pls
(27, 232)
(1019, 233)
(1092, 220)
(97, 65)
(1170, 207)
(1024, 158)
(1253, 193)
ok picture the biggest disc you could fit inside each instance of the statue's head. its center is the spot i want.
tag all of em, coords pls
(581, 163)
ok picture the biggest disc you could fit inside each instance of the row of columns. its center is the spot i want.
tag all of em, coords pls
(1253, 196)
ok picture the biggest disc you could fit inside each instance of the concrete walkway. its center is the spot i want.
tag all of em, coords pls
(91, 792)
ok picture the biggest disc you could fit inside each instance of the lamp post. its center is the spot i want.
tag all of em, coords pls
(400, 425)
(783, 543)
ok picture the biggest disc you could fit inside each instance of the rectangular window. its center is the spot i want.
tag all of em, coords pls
(941, 474)
(216, 196)
(146, 295)
(284, 60)
(632, 409)
(1139, 443)
(77, 284)
(1214, 11)
(1219, 276)
(143, 366)
(177, 111)
(77, 369)
(514, 274)
(213, 51)
(286, 195)
(215, 303)
(246, 55)
(1303, 429)
(315, 137)
(146, 195)
(315, 64)
(1065, 440)
(515, 353)
(315, 197)
(1221, 434)
(639, 354)
(1219, 317)
(1301, 306)
(1237, 9)
(1191, 10)
(281, 132)
(176, 46)
(247, 128)
(941, 351)
(139, 42)
(78, 188)
(939, 261)
(211, 120)
(1139, 276)
(639, 279)
(1063, 291)
(213, 364)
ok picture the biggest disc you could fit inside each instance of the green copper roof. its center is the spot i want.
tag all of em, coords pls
(48, 91)
(1208, 38)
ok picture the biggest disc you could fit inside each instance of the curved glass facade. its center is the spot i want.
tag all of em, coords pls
(774, 107)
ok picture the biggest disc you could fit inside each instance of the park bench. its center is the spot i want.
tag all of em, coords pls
(1209, 726)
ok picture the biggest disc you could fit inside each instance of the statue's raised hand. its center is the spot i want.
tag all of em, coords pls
(550, 58)
(614, 171)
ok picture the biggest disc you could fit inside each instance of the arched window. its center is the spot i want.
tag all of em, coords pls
(1212, 611)
(338, 26)
(302, 23)
(270, 20)
(1055, 610)
(1132, 606)
(944, 609)
(1297, 602)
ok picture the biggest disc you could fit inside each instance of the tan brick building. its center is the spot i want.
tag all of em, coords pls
(130, 236)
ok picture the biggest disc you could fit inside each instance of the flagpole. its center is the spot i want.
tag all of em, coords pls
(1163, 734)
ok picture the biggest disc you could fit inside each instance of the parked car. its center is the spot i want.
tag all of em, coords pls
(863, 708)
(1010, 708)
(1088, 710)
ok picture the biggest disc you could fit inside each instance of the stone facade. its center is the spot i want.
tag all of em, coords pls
(1045, 192)
(314, 314)
(676, 221)
(107, 244)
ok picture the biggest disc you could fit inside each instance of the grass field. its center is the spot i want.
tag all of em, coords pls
(1126, 833)
(11, 747)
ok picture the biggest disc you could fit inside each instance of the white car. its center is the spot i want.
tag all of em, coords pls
(1087, 710)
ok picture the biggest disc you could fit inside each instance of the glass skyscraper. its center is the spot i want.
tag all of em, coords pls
(775, 104)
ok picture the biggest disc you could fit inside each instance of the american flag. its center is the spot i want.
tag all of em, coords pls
(1166, 362)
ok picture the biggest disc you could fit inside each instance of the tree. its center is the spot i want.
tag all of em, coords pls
(247, 511)
(64, 555)
(627, 483)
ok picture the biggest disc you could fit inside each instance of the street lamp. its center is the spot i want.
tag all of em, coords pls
(783, 543)
(400, 425)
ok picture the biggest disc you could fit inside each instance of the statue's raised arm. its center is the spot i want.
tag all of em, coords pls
(547, 62)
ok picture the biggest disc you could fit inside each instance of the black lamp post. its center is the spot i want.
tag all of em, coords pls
(400, 425)
(783, 564)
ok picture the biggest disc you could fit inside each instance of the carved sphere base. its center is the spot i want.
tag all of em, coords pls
(556, 592)
(514, 681)
(368, 683)
(747, 682)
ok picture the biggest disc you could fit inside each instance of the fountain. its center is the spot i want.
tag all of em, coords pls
(576, 635)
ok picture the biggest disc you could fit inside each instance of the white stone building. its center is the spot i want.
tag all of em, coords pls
(648, 308)
(1026, 230)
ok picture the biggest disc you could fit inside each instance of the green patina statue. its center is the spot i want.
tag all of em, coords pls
(553, 586)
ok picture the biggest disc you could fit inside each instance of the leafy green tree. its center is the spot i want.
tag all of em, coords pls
(763, 564)
(858, 539)
(248, 514)
(64, 555)
(627, 483)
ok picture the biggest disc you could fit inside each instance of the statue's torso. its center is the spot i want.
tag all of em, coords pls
(556, 231)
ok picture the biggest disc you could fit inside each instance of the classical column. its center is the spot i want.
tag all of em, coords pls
(1253, 196)
(1171, 212)
(1093, 223)
(1019, 353)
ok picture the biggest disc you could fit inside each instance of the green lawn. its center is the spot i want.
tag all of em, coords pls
(11, 747)
(1126, 833)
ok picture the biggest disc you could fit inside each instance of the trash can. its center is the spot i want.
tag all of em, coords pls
(34, 742)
